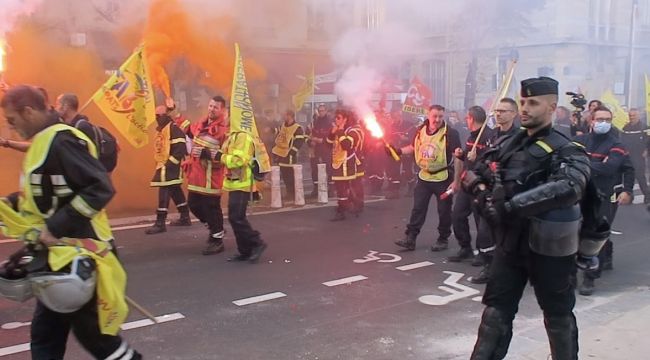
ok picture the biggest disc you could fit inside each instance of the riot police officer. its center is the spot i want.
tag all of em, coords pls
(528, 188)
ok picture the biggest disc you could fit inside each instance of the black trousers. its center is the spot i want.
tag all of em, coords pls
(421, 198)
(247, 238)
(207, 208)
(638, 162)
(286, 172)
(484, 237)
(50, 331)
(394, 172)
(552, 278)
(462, 209)
(175, 192)
(344, 195)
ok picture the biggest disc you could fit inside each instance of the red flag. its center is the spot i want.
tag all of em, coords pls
(418, 98)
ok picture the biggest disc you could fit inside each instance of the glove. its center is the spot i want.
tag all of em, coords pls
(216, 155)
(390, 147)
(492, 209)
(469, 182)
(205, 154)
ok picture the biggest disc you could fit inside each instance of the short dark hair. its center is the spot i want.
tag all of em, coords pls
(220, 99)
(291, 113)
(71, 100)
(603, 108)
(510, 101)
(21, 96)
(436, 107)
(477, 113)
(600, 103)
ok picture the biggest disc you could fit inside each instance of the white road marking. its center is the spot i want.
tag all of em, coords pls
(15, 349)
(414, 266)
(15, 325)
(10, 350)
(346, 280)
(147, 322)
(260, 298)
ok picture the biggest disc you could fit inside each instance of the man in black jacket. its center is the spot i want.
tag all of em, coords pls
(635, 138)
(530, 180)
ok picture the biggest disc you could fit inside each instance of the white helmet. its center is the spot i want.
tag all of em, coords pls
(66, 292)
(16, 290)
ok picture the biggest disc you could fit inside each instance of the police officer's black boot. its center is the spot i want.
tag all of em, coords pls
(484, 275)
(562, 334)
(215, 244)
(607, 262)
(494, 335)
(407, 243)
(159, 226)
(184, 219)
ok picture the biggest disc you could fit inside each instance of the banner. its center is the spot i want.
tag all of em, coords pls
(127, 99)
(306, 89)
(241, 112)
(647, 99)
(619, 115)
(418, 98)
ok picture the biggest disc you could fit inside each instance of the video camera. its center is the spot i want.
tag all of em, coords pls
(577, 100)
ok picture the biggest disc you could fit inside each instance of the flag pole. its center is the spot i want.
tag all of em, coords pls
(501, 93)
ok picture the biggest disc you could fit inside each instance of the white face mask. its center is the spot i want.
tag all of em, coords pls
(602, 127)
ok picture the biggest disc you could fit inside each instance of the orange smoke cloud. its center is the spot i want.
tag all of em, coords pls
(171, 34)
(35, 57)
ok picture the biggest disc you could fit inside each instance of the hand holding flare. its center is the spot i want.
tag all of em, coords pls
(377, 132)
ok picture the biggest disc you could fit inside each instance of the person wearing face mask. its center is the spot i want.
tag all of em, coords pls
(170, 150)
(609, 161)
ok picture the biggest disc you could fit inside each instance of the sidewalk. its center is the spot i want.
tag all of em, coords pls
(612, 331)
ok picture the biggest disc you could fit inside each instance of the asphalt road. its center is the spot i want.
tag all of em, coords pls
(383, 309)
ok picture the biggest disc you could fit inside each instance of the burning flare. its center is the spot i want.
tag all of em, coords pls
(370, 120)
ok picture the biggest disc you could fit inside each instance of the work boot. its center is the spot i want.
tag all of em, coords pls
(484, 275)
(184, 219)
(478, 261)
(407, 243)
(462, 254)
(159, 226)
(562, 334)
(257, 252)
(587, 286)
(440, 245)
(215, 244)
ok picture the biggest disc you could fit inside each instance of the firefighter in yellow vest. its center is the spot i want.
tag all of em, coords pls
(290, 138)
(170, 150)
(236, 156)
(344, 141)
(434, 146)
(64, 189)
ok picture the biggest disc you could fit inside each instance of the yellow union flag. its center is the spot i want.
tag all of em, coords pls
(306, 89)
(241, 112)
(127, 99)
(619, 116)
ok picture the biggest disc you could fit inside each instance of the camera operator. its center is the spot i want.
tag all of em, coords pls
(579, 118)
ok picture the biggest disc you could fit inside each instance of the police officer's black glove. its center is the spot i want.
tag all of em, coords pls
(494, 210)
(390, 147)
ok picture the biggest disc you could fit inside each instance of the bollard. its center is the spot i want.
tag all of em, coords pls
(276, 189)
(322, 184)
(299, 189)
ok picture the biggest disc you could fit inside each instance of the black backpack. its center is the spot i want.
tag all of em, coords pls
(106, 143)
